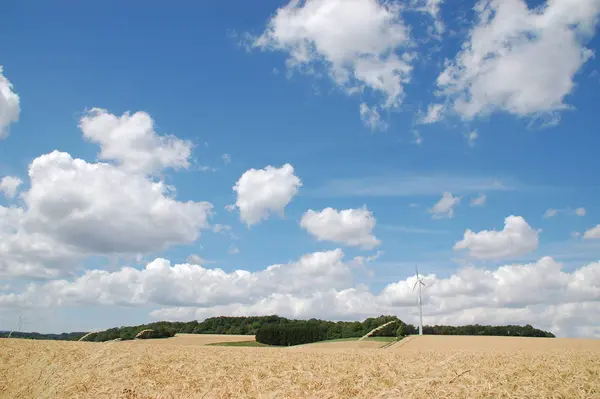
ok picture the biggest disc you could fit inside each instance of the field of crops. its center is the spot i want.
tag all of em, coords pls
(192, 340)
(419, 367)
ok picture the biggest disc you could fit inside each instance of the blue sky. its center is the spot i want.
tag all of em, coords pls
(235, 79)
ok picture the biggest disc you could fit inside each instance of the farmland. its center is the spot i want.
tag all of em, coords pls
(417, 367)
(192, 340)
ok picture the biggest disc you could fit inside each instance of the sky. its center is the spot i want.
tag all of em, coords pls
(300, 158)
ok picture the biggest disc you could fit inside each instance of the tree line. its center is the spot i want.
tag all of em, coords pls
(317, 330)
(251, 326)
(291, 334)
(72, 336)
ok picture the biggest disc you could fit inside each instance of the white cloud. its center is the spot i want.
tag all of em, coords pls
(478, 201)
(195, 259)
(132, 142)
(74, 208)
(434, 114)
(352, 227)
(70, 198)
(160, 283)
(516, 239)
(593, 233)
(220, 228)
(261, 192)
(550, 213)
(226, 158)
(358, 42)
(431, 7)
(519, 60)
(9, 186)
(30, 254)
(9, 105)
(371, 118)
(224, 229)
(471, 137)
(321, 285)
(444, 208)
(361, 260)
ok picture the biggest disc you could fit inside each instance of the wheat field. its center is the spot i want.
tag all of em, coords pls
(417, 367)
(338, 345)
(192, 340)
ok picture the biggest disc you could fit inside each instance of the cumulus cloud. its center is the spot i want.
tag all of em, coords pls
(357, 42)
(74, 209)
(161, 283)
(444, 208)
(593, 233)
(100, 208)
(516, 239)
(321, 285)
(352, 227)
(9, 105)
(580, 211)
(9, 186)
(519, 60)
(479, 200)
(131, 141)
(29, 254)
(261, 192)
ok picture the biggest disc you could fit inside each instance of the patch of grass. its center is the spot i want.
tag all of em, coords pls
(239, 343)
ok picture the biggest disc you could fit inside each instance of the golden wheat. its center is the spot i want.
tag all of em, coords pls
(423, 367)
(192, 340)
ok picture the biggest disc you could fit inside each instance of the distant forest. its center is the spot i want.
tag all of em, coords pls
(251, 325)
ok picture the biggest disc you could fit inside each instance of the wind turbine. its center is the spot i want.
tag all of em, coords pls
(21, 320)
(420, 283)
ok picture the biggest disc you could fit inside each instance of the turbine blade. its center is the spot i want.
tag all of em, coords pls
(414, 286)
(422, 283)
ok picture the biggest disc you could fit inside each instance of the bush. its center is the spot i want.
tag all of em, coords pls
(291, 334)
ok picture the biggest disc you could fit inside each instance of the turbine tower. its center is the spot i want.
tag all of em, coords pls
(420, 283)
